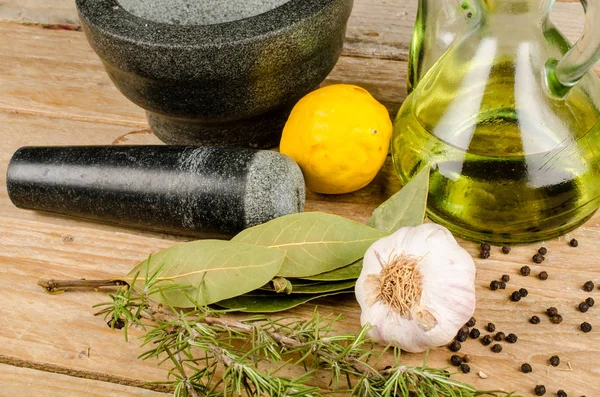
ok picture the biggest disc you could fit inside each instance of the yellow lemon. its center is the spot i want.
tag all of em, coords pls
(339, 135)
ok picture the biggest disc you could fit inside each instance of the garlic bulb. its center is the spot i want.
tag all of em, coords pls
(416, 288)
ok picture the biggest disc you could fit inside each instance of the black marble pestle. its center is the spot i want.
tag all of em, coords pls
(174, 189)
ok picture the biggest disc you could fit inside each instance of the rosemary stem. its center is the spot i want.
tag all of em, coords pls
(60, 285)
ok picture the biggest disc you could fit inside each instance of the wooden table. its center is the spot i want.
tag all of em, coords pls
(53, 91)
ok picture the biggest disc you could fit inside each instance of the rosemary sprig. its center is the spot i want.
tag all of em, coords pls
(215, 356)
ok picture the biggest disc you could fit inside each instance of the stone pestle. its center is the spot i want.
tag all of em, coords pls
(173, 189)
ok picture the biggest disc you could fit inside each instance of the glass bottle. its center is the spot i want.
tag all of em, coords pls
(508, 121)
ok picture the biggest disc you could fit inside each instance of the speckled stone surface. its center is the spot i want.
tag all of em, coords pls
(230, 83)
(175, 189)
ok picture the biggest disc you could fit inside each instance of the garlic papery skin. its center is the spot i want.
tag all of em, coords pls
(416, 288)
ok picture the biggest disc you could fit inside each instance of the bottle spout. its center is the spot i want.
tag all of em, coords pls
(564, 74)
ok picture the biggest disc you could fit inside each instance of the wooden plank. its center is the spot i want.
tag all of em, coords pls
(25, 382)
(377, 28)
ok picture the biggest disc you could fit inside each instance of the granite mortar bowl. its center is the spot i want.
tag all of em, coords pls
(218, 72)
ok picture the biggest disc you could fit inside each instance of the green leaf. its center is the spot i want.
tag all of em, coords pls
(323, 288)
(314, 242)
(207, 271)
(350, 272)
(262, 302)
(278, 284)
(405, 208)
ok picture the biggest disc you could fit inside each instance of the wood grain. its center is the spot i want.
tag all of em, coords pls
(25, 382)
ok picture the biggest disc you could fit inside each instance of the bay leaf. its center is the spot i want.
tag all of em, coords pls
(323, 288)
(314, 242)
(405, 208)
(207, 271)
(350, 272)
(280, 285)
(262, 302)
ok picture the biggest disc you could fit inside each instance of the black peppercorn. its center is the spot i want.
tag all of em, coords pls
(511, 338)
(534, 320)
(574, 243)
(464, 328)
(537, 258)
(515, 296)
(583, 307)
(502, 285)
(466, 358)
(486, 340)
(525, 271)
(543, 276)
(561, 393)
(556, 319)
(465, 368)
(499, 336)
(462, 336)
(586, 327)
(555, 361)
(588, 286)
(526, 368)
(455, 360)
(491, 327)
(454, 346)
(539, 390)
(484, 254)
(471, 322)
(506, 249)
(590, 302)
(485, 247)
(505, 278)
(552, 311)
(474, 334)
(497, 348)
(494, 285)
(523, 292)
(543, 251)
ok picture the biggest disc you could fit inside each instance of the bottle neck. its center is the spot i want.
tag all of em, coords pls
(539, 8)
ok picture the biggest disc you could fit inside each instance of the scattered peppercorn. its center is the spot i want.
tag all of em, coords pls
(555, 361)
(583, 307)
(502, 285)
(499, 336)
(462, 336)
(586, 327)
(511, 338)
(561, 393)
(466, 358)
(491, 327)
(474, 334)
(543, 276)
(537, 258)
(455, 360)
(454, 346)
(574, 243)
(506, 249)
(534, 320)
(505, 278)
(485, 247)
(484, 254)
(515, 296)
(588, 286)
(486, 340)
(465, 368)
(539, 390)
(497, 348)
(471, 322)
(526, 368)
(590, 302)
(557, 319)
(552, 311)
(543, 251)
(525, 271)
(465, 329)
(523, 292)
(494, 285)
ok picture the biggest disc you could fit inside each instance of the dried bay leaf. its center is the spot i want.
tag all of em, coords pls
(405, 208)
(350, 272)
(323, 288)
(207, 271)
(263, 302)
(314, 242)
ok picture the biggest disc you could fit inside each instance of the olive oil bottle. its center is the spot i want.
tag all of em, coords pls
(512, 161)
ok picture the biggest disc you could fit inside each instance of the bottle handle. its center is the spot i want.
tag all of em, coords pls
(564, 74)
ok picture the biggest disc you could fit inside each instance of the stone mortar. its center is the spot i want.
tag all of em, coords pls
(223, 72)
